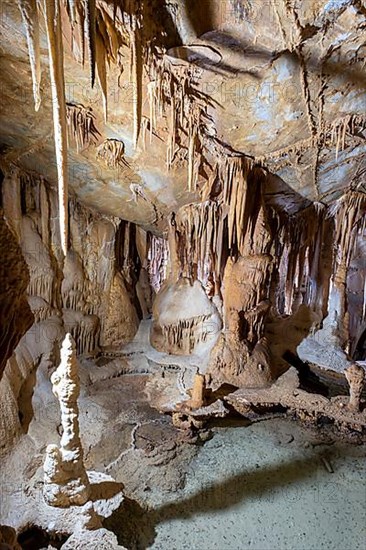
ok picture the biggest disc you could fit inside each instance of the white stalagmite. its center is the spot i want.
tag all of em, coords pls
(55, 49)
(65, 480)
(29, 13)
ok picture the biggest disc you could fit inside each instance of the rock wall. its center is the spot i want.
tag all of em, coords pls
(77, 287)
(16, 316)
(44, 295)
(277, 275)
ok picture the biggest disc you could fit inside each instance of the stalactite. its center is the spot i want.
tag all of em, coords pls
(157, 257)
(112, 152)
(72, 10)
(187, 333)
(41, 284)
(298, 246)
(350, 214)
(80, 21)
(85, 331)
(349, 211)
(55, 49)
(136, 77)
(29, 13)
(91, 23)
(81, 124)
(204, 225)
(90, 33)
(338, 130)
(40, 308)
(74, 282)
(12, 200)
(45, 214)
(101, 72)
(172, 93)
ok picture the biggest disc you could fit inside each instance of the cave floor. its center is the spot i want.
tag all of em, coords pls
(264, 485)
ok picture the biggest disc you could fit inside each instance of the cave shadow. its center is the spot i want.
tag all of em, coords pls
(25, 398)
(227, 41)
(276, 190)
(359, 353)
(36, 538)
(216, 67)
(135, 527)
(201, 15)
(223, 43)
(330, 67)
(104, 490)
(309, 380)
(285, 333)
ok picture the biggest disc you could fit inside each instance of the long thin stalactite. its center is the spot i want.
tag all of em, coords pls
(29, 11)
(55, 50)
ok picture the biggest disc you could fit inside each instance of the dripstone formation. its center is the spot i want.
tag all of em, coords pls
(182, 232)
(65, 479)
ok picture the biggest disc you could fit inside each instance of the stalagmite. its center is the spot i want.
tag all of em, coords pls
(65, 480)
(355, 375)
(198, 392)
(29, 10)
(55, 50)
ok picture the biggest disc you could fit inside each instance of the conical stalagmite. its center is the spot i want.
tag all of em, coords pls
(65, 480)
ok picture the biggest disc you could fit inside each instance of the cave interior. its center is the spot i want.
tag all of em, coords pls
(183, 274)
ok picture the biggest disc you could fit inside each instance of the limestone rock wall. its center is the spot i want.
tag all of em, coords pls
(278, 275)
(76, 287)
(16, 315)
(44, 295)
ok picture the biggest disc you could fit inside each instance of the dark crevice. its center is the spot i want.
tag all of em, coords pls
(35, 538)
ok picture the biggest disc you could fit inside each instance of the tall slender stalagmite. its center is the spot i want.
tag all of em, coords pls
(65, 479)
(29, 13)
(55, 49)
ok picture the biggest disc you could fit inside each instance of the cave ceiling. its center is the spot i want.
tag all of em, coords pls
(283, 84)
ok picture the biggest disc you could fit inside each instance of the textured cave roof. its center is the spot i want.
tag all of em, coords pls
(278, 80)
